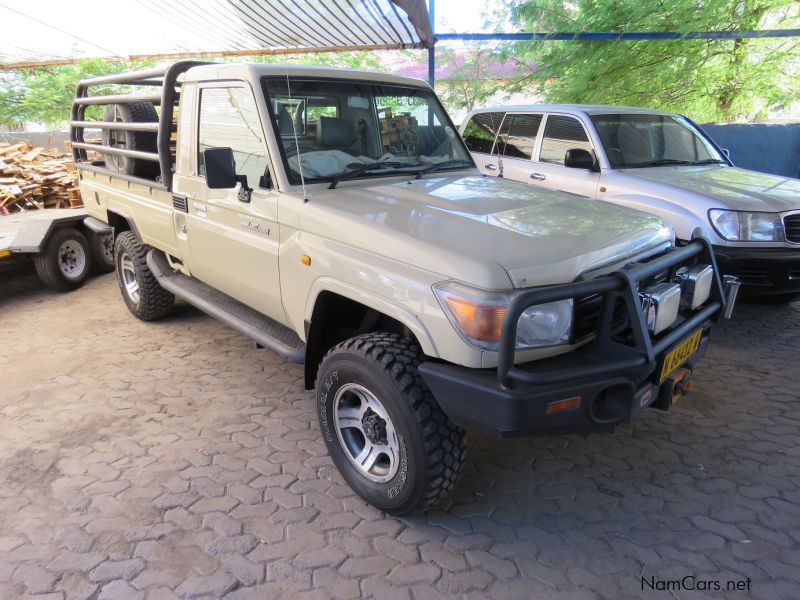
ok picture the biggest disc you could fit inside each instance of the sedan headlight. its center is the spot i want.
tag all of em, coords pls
(478, 316)
(739, 226)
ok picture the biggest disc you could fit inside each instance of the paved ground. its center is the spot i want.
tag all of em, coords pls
(173, 459)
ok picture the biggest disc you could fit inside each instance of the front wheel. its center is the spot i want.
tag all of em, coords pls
(384, 430)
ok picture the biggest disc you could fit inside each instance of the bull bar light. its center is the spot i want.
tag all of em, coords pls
(660, 304)
(695, 285)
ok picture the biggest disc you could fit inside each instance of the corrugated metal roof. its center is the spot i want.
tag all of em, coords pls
(50, 32)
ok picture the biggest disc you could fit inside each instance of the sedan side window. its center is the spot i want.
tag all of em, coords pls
(562, 133)
(481, 130)
(519, 138)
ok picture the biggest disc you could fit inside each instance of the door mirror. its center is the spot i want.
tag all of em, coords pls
(726, 152)
(220, 168)
(578, 158)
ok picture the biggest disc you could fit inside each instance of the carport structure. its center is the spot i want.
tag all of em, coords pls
(50, 33)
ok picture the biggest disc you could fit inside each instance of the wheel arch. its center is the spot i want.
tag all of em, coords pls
(336, 312)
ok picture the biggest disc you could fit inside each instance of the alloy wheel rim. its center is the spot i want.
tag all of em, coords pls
(366, 433)
(129, 281)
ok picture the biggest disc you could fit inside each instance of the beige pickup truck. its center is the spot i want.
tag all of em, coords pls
(337, 218)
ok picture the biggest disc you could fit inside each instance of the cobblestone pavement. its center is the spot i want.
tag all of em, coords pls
(173, 459)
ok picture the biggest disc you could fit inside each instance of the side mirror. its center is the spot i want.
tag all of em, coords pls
(220, 168)
(578, 158)
(726, 152)
(221, 172)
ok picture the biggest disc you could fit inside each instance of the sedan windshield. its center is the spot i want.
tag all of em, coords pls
(647, 140)
(329, 130)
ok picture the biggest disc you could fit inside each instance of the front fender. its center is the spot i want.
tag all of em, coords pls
(375, 302)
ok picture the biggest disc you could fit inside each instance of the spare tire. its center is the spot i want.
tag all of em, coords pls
(144, 141)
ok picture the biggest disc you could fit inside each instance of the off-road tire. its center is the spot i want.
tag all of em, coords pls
(48, 262)
(143, 141)
(433, 448)
(154, 302)
(102, 258)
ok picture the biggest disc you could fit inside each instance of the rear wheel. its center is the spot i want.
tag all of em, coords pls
(66, 260)
(384, 430)
(143, 296)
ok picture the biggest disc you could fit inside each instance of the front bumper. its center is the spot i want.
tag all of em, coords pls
(615, 376)
(762, 271)
(474, 399)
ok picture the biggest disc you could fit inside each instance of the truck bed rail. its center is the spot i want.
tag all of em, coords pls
(165, 78)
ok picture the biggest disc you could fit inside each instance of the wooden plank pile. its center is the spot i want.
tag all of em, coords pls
(33, 178)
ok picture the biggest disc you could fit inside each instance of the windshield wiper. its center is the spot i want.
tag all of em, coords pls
(358, 168)
(658, 163)
(456, 162)
(711, 161)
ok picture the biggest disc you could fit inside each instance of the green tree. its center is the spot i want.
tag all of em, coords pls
(470, 81)
(710, 80)
(44, 94)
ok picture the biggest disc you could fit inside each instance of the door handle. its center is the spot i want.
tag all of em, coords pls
(538, 176)
(491, 167)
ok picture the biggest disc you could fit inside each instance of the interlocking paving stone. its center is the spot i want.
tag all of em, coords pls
(174, 460)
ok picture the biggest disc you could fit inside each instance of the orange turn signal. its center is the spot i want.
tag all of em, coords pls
(562, 405)
(479, 321)
(306, 260)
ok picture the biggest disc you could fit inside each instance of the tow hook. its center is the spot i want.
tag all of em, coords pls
(682, 383)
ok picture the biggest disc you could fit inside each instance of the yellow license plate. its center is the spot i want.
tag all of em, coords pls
(681, 353)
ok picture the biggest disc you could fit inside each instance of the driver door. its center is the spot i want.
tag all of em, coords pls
(233, 244)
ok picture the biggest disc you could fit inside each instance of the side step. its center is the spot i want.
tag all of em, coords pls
(250, 323)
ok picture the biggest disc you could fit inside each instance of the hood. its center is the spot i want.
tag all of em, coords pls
(729, 187)
(472, 228)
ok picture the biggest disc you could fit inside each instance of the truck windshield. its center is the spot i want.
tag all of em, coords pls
(332, 128)
(648, 140)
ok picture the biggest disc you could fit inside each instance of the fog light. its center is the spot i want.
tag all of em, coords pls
(660, 304)
(695, 285)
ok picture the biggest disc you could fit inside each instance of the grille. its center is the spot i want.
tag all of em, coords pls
(792, 225)
(587, 317)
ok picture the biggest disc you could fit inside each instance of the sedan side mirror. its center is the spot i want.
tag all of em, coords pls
(221, 172)
(726, 152)
(578, 158)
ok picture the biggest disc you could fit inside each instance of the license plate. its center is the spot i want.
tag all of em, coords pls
(681, 353)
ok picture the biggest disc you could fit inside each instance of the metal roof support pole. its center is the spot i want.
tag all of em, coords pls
(432, 49)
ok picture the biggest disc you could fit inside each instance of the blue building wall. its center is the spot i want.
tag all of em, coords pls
(771, 148)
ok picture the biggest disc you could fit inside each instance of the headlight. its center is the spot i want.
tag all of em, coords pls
(478, 316)
(734, 225)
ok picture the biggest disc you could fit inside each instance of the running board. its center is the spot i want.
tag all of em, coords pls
(250, 323)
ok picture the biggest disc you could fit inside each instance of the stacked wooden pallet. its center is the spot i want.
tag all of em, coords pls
(33, 178)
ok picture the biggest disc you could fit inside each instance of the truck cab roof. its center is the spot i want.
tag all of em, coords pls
(254, 71)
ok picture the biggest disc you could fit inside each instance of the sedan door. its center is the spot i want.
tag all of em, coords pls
(516, 143)
(479, 136)
(562, 133)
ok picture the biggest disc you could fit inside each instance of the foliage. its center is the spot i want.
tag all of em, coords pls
(470, 82)
(710, 80)
(45, 94)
